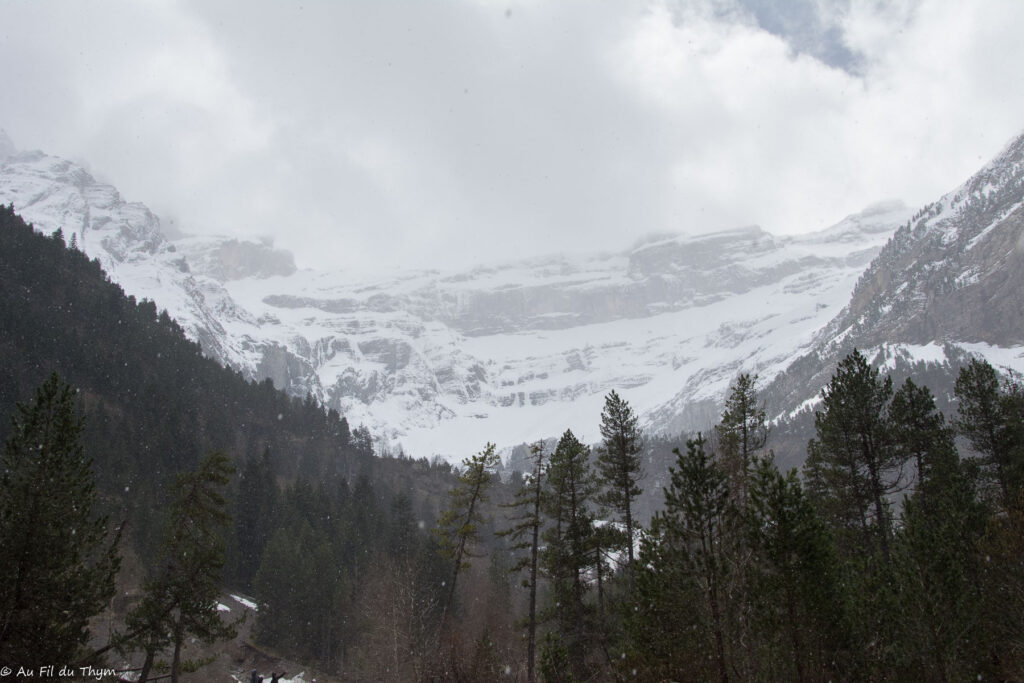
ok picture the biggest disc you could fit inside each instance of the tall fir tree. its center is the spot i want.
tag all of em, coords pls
(794, 580)
(619, 467)
(697, 505)
(567, 556)
(852, 466)
(665, 634)
(920, 434)
(524, 533)
(459, 524)
(254, 517)
(60, 557)
(742, 434)
(940, 630)
(992, 419)
(181, 601)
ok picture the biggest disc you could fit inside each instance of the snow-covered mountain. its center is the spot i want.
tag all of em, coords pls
(950, 283)
(442, 362)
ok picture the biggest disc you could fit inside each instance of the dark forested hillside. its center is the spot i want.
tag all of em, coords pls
(153, 404)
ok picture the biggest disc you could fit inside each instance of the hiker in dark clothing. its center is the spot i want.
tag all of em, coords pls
(274, 678)
(256, 678)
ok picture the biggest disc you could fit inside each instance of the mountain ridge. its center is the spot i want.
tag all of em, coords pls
(442, 362)
(945, 287)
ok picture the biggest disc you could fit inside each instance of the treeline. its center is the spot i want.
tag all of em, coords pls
(894, 555)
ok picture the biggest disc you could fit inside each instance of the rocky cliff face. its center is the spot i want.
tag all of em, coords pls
(948, 283)
(444, 362)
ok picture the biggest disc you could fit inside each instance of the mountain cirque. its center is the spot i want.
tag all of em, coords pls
(442, 362)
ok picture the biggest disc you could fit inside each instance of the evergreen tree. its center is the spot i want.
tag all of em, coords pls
(794, 580)
(279, 586)
(993, 421)
(666, 634)
(567, 556)
(525, 535)
(618, 464)
(59, 565)
(920, 434)
(696, 507)
(181, 601)
(402, 540)
(303, 593)
(555, 666)
(458, 526)
(742, 434)
(851, 464)
(256, 503)
(940, 629)
(853, 467)
(1001, 635)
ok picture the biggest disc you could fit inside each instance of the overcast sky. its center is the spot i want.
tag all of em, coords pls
(447, 133)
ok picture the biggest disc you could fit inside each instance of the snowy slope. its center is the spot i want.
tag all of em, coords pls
(946, 286)
(443, 362)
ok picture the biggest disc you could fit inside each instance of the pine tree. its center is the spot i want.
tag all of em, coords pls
(280, 589)
(181, 601)
(993, 421)
(938, 569)
(742, 434)
(58, 566)
(920, 434)
(401, 539)
(525, 535)
(794, 579)
(555, 666)
(852, 465)
(257, 500)
(1001, 588)
(696, 507)
(618, 464)
(458, 526)
(666, 634)
(567, 557)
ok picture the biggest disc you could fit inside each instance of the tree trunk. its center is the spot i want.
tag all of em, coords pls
(629, 541)
(716, 618)
(179, 637)
(531, 637)
(147, 666)
(794, 634)
(876, 494)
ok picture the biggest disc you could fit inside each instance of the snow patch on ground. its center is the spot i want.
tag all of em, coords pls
(1001, 357)
(244, 602)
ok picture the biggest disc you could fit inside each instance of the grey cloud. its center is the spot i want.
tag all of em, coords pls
(369, 134)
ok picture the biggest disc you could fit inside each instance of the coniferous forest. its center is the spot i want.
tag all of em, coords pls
(141, 481)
